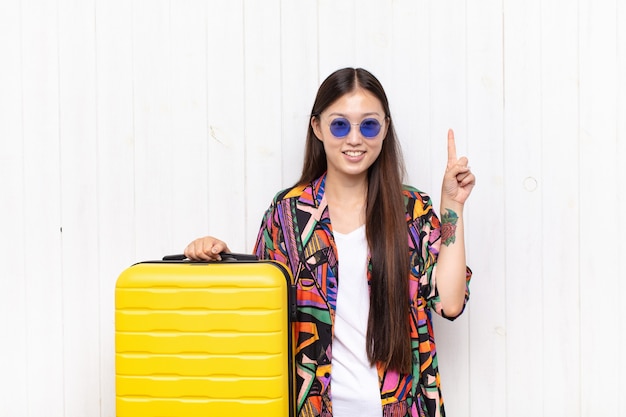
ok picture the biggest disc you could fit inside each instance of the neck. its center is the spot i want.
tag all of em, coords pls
(346, 203)
(346, 190)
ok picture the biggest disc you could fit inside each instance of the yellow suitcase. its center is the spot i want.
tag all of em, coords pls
(204, 339)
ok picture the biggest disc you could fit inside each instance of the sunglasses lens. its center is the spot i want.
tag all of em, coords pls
(340, 127)
(370, 128)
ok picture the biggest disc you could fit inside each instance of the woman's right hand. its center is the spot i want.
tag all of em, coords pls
(206, 248)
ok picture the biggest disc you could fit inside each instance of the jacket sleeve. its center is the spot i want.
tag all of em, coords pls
(425, 230)
(270, 243)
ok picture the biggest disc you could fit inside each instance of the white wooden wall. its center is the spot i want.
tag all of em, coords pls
(129, 128)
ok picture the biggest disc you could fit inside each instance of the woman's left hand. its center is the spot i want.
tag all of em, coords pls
(458, 180)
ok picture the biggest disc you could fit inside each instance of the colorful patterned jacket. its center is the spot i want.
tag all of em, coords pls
(296, 231)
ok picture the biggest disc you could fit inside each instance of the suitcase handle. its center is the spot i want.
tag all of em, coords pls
(226, 256)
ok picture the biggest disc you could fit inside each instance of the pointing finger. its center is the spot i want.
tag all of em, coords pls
(451, 148)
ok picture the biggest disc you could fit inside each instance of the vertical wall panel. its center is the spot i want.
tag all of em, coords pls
(188, 143)
(620, 222)
(78, 164)
(523, 182)
(486, 246)
(372, 42)
(262, 79)
(408, 87)
(43, 270)
(448, 85)
(153, 129)
(115, 165)
(226, 190)
(448, 109)
(599, 188)
(336, 43)
(299, 82)
(560, 196)
(13, 357)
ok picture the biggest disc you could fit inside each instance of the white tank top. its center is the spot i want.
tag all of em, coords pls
(354, 386)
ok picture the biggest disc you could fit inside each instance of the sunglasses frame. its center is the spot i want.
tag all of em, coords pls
(350, 124)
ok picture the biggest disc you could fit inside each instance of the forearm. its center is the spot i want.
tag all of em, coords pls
(451, 262)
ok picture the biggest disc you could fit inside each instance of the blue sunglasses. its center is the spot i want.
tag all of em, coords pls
(340, 127)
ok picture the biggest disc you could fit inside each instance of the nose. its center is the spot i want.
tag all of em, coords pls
(355, 136)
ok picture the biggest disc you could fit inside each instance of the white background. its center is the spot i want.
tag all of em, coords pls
(130, 127)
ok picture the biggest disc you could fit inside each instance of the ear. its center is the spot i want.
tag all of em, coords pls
(317, 128)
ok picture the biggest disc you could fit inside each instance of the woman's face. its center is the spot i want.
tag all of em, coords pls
(351, 155)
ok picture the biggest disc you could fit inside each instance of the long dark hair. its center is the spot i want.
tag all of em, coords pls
(388, 327)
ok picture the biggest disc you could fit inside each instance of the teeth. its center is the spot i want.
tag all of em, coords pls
(353, 153)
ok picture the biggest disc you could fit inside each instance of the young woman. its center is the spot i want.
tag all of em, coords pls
(370, 259)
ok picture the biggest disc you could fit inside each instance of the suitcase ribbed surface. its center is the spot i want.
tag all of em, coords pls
(198, 339)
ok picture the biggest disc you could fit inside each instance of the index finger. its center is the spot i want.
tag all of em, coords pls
(451, 147)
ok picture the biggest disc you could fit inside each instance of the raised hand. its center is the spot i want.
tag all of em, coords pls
(458, 180)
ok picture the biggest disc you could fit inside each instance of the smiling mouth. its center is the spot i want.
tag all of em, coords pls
(354, 153)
